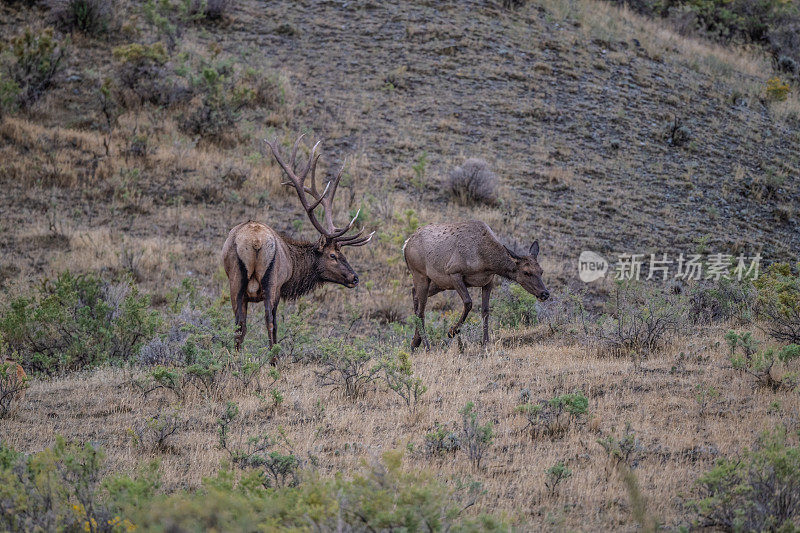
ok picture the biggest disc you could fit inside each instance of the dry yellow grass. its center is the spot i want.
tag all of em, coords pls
(658, 401)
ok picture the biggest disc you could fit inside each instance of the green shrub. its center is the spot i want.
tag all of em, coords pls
(211, 10)
(624, 450)
(475, 438)
(348, 366)
(222, 97)
(723, 299)
(515, 307)
(143, 76)
(400, 378)
(555, 475)
(552, 418)
(779, 301)
(77, 321)
(295, 333)
(261, 453)
(32, 60)
(91, 17)
(746, 357)
(64, 489)
(441, 441)
(57, 489)
(759, 491)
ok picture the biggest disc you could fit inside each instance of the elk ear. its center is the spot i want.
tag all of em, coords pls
(321, 243)
(534, 251)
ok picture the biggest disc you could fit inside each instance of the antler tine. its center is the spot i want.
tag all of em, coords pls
(358, 242)
(294, 151)
(338, 232)
(312, 164)
(297, 183)
(328, 204)
(315, 204)
(349, 238)
(338, 178)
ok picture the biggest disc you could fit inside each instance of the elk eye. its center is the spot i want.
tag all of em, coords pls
(333, 256)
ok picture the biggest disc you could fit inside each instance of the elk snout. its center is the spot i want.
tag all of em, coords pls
(353, 281)
(544, 295)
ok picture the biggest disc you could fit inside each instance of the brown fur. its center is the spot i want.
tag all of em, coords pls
(263, 265)
(461, 255)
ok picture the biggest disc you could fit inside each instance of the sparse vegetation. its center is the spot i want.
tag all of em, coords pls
(759, 491)
(154, 433)
(400, 378)
(91, 17)
(746, 356)
(77, 321)
(552, 418)
(779, 302)
(347, 367)
(515, 307)
(556, 475)
(476, 438)
(32, 60)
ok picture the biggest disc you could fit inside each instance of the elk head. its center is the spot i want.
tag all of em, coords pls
(330, 264)
(528, 273)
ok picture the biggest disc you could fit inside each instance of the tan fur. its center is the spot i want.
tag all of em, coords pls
(461, 255)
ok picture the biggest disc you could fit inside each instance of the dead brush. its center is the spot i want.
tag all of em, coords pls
(347, 368)
(552, 418)
(472, 183)
(641, 319)
(153, 434)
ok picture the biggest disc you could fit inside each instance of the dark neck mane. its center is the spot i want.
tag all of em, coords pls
(305, 277)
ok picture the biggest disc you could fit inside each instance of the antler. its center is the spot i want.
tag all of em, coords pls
(329, 229)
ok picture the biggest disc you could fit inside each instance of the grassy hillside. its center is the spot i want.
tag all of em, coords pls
(607, 132)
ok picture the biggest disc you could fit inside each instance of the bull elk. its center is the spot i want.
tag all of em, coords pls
(264, 265)
(465, 254)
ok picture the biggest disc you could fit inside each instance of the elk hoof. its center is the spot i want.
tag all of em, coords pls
(415, 342)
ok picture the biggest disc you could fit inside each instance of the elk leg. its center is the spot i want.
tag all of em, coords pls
(461, 289)
(268, 309)
(241, 322)
(420, 292)
(486, 292)
(239, 304)
(275, 301)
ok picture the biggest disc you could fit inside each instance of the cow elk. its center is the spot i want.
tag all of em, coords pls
(461, 255)
(264, 265)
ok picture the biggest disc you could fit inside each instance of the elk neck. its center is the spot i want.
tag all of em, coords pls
(505, 264)
(305, 276)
